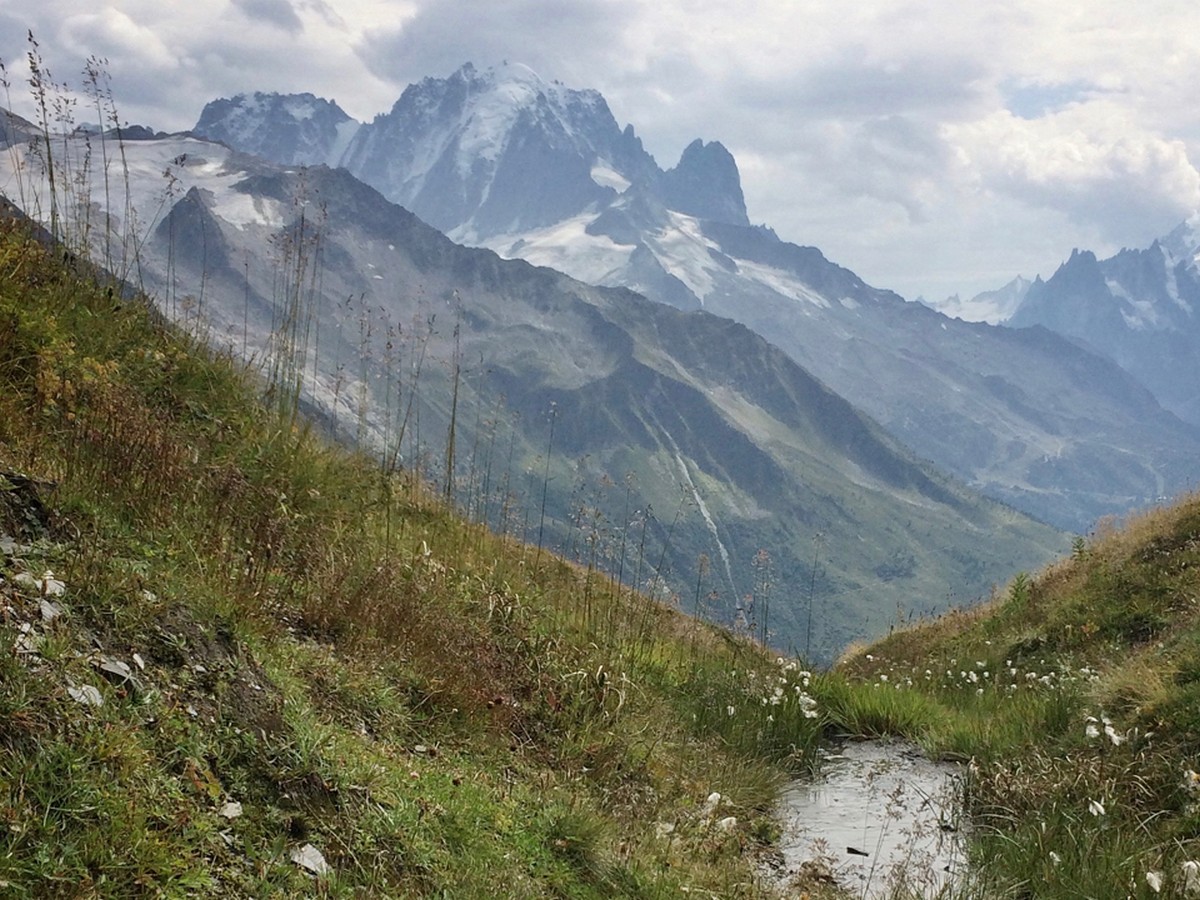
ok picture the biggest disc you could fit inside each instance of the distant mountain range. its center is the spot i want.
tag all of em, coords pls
(1137, 308)
(651, 437)
(538, 171)
(993, 307)
(1140, 308)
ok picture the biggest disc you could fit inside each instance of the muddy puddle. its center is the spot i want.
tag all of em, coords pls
(877, 815)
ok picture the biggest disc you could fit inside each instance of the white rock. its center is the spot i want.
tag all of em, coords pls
(310, 858)
(87, 695)
(28, 642)
(114, 666)
(51, 586)
(231, 810)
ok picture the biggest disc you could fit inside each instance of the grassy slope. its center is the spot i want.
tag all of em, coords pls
(442, 711)
(1077, 697)
(435, 709)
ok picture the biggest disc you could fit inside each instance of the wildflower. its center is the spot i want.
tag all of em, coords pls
(1055, 859)
(729, 711)
(1095, 807)
(883, 678)
(1117, 739)
(1154, 879)
(1092, 731)
(808, 706)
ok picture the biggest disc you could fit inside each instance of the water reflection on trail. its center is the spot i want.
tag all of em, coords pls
(878, 814)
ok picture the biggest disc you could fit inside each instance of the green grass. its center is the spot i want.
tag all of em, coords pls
(441, 710)
(437, 709)
(1073, 698)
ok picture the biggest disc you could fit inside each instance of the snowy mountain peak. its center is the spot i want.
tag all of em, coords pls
(1140, 307)
(484, 153)
(1182, 245)
(992, 307)
(481, 153)
(293, 129)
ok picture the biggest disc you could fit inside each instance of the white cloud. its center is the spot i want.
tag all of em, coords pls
(113, 34)
(930, 145)
(278, 12)
(1092, 161)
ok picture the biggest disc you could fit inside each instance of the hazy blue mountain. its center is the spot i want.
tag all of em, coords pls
(993, 307)
(656, 436)
(1139, 308)
(541, 172)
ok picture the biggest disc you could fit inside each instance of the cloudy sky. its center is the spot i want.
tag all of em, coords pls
(934, 147)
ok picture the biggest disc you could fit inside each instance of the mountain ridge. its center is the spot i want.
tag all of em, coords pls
(1000, 412)
(1137, 308)
(692, 448)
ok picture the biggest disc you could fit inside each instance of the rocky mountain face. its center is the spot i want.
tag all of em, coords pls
(540, 172)
(706, 185)
(295, 130)
(676, 451)
(485, 153)
(1140, 308)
